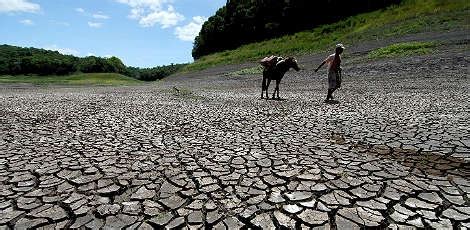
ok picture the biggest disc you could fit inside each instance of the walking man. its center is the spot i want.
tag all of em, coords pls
(334, 71)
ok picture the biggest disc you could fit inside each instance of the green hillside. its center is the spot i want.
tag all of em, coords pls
(20, 61)
(411, 16)
(241, 22)
(76, 79)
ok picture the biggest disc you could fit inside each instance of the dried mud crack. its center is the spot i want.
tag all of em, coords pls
(393, 153)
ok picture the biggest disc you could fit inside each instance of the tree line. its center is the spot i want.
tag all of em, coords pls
(155, 73)
(25, 61)
(245, 21)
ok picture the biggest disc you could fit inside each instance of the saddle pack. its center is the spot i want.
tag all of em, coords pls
(270, 61)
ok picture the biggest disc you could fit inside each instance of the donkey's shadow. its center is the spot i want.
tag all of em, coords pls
(274, 99)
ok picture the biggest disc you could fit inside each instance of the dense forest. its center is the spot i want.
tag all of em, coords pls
(24, 61)
(245, 21)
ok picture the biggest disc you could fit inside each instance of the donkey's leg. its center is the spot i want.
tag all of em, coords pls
(278, 82)
(263, 85)
(267, 87)
(276, 89)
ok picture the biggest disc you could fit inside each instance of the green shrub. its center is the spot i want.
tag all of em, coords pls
(403, 49)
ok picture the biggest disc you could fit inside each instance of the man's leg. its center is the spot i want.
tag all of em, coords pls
(328, 96)
(331, 94)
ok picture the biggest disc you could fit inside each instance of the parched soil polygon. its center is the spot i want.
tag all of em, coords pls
(207, 152)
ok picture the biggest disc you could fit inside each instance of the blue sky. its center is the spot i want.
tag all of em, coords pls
(142, 33)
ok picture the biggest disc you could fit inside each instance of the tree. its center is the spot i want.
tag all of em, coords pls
(116, 65)
(17, 60)
(244, 21)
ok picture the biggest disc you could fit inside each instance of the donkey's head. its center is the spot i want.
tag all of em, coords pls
(292, 63)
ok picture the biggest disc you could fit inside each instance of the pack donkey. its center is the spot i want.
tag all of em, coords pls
(275, 71)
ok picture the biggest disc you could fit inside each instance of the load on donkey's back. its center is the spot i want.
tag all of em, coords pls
(271, 61)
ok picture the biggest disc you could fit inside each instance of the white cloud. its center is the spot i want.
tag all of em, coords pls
(136, 13)
(166, 18)
(27, 22)
(152, 12)
(153, 4)
(95, 24)
(18, 6)
(67, 51)
(90, 54)
(100, 15)
(108, 56)
(191, 30)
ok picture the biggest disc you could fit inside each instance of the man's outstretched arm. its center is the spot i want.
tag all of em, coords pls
(320, 66)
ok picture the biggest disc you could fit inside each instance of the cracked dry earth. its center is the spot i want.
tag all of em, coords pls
(205, 152)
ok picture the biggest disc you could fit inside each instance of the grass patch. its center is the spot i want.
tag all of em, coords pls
(247, 71)
(76, 79)
(403, 49)
(182, 92)
(412, 16)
